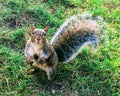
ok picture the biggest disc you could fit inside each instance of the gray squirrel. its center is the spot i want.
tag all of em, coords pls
(76, 33)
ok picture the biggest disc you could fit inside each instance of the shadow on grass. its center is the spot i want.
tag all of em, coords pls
(85, 79)
(86, 75)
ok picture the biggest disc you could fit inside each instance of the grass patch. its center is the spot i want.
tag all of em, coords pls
(87, 75)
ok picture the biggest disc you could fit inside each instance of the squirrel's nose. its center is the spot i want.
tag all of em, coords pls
(38, 38)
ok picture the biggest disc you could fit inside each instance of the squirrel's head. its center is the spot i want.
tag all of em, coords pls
(38, 36)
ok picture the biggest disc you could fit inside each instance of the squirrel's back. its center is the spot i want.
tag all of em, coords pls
(76, 32)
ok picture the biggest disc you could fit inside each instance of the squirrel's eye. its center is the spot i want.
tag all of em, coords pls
(44, 34)
(32, 33)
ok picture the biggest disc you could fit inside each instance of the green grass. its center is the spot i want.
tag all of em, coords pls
(87, 75)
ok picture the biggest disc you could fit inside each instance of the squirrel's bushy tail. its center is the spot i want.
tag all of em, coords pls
(75, 33)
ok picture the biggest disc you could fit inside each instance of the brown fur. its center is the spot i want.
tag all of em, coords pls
(77, 28)
(66, 43)
(46, 58)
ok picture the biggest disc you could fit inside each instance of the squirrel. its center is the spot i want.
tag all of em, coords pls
(77, 32)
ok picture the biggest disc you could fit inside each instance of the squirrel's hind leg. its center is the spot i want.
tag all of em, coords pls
(51, 73)
(50, 70)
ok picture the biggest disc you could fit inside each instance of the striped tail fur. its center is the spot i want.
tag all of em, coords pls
(76, 33)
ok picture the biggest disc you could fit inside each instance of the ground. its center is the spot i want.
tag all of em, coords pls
(87, 75)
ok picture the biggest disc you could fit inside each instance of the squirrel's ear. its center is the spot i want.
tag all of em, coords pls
(46, 29)
(32, 27)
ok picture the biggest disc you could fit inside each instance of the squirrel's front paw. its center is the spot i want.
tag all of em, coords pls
(30, 71)
(28, 61)
(51, 74)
